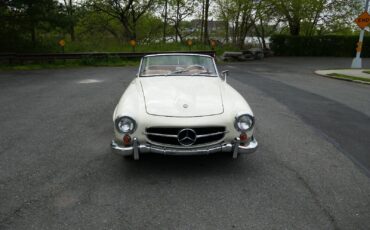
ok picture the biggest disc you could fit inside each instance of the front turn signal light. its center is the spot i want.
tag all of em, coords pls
(243, 137)
(127, 140)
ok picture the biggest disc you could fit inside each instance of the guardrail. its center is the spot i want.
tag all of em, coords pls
(12, 58)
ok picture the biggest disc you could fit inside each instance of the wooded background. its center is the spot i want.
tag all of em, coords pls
(108, 25)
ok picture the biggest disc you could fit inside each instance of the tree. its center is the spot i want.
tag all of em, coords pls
(246, 21)
(71, 17)
(27, 17)
(237, 14)
(95, 27)
(180, 10)
(310, 12)
(225, 15)
(95, 24)
(266, 21)
(165, 15)
(206, 5)
(293, 11)
(128, 12)
(334, 16)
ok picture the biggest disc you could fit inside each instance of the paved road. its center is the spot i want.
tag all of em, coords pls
(311, 171)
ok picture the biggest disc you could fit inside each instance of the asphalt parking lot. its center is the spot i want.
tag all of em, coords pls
(312, 170)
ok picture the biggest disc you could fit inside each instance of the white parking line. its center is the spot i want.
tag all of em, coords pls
(89, 81)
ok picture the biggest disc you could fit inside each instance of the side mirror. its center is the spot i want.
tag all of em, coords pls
(224, 74)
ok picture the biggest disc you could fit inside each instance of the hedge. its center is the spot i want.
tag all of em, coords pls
(330, 45)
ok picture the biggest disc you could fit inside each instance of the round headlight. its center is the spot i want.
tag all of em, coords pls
(244, 123)
(125, 125)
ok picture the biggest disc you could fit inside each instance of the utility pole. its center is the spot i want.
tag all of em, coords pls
(357, 61)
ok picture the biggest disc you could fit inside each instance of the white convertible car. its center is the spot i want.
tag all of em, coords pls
(180, 105)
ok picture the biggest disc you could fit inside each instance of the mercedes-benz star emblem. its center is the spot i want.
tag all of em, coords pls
(187, 137)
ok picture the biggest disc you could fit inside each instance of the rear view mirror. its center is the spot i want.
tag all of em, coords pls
(225, 74)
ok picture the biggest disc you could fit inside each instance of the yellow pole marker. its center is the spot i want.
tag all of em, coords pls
(213, 44)
(359, 46)
(62, 43)
(133, 44)
(189, 42)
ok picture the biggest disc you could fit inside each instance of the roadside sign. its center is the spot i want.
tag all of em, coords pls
(62, 43)
(189, 42)
(213, 43)
(132, 43)
(363, 20)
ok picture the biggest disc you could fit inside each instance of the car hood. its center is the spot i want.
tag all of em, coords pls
(182, 96)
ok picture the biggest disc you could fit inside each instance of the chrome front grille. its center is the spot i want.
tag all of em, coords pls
(170, 136)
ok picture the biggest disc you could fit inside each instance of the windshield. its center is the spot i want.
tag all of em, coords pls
(178, 65)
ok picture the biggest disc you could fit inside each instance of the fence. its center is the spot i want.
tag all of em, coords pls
(13, 58)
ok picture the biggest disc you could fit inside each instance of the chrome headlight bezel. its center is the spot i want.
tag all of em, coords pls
(240, 118)
(131, 121)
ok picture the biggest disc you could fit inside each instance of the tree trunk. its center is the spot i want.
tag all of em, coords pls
(72, 32)
(33, 35)
(226, 31)
(165, 21)
(177, 20)
(294, 27)
(128, 32)
(206, 10)
(235, 32)
(202, 23)
(233, 39)
(236, 27)
(312, 27)
(242, 30)
(262, 34)
(134, 37)
(69, 8)
(179, 34)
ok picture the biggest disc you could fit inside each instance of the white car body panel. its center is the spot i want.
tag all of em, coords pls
(159, 102)
(132, 104)
(182, 96)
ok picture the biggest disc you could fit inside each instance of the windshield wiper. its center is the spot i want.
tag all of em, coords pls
(176, 71)
(205, 73)
(153, 75)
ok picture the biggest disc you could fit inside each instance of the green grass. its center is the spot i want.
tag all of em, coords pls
(346, 77)
(110, 45)
(113, 45)
(366, 71)
(112, 62)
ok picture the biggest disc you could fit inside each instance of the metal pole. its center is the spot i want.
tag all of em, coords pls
(357, 61)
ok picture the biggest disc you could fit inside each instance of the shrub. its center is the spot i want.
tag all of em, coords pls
(330, 45)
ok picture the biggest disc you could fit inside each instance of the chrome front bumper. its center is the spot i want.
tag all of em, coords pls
(136, 149)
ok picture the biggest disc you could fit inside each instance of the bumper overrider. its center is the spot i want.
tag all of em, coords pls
(136, 149)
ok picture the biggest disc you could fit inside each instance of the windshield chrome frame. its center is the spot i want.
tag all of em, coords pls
(178, 54)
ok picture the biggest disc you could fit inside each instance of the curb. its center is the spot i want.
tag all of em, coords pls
(343, 79)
